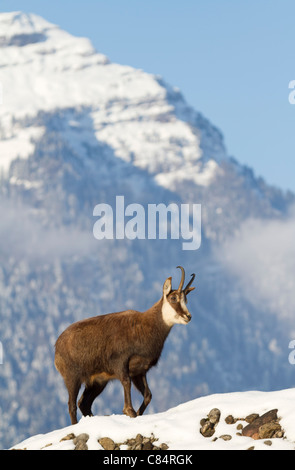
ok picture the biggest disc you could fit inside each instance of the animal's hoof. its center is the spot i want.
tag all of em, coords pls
(130, 412)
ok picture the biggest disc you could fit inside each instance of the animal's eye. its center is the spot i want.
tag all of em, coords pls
(173, 298)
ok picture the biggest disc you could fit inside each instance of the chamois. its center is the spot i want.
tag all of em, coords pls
(122, 345)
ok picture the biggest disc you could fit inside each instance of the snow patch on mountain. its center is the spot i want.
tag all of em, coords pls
(19, 143)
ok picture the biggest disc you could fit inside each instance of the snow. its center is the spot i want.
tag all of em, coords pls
(201, 178)
(20, 145)
(18, 23)
(128, 110)
(179, 426)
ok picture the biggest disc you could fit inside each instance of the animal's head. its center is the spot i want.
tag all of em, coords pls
(174, 309)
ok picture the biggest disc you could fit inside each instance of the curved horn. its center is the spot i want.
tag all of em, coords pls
(190, 282)
(181, 280)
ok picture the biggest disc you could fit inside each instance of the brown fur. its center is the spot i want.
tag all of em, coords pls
(123, 346)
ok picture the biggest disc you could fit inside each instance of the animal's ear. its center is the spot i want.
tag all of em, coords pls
(189, 290)
(167, 286)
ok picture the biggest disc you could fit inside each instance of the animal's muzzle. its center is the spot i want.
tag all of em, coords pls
(188, 317)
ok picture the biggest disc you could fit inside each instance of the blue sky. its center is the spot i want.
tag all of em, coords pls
(232, 60)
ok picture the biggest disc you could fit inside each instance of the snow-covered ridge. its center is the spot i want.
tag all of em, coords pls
(179, 427)
(18, 29)
(141, 118)
(18, 23)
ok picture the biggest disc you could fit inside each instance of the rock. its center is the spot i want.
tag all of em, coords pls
(81, 445)
(68, 437)
(209, 424)
(250, 418)
(259, 427)
(139, 438)
(230, 419)
(268, 430)
(130, 442)
(137, 444)
(80, 441)
(107, 443)
(141, 442)
(253, 429)
(147, 446)
(164, 446)
(81, 437)
(268, 443)
(214, 416)
(207, 430)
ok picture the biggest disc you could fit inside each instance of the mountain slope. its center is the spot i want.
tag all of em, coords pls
(179, 428)
(76, 131)
(126, 109)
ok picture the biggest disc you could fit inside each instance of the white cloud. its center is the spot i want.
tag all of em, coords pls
(22, 235)
(262, 258)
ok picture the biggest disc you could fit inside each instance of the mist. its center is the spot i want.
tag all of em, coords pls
(262, 258)
(23, 235)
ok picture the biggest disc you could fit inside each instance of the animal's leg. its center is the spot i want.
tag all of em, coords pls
(141, 384)
(90, 393)
(73, 387)
(128, 408)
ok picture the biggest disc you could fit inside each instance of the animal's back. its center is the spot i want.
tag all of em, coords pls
(90, 343)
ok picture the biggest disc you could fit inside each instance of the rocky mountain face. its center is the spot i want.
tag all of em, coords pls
(77, 131)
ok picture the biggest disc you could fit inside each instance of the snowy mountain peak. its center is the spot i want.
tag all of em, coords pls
(144, 121)
(18, 22)
(19, 29)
